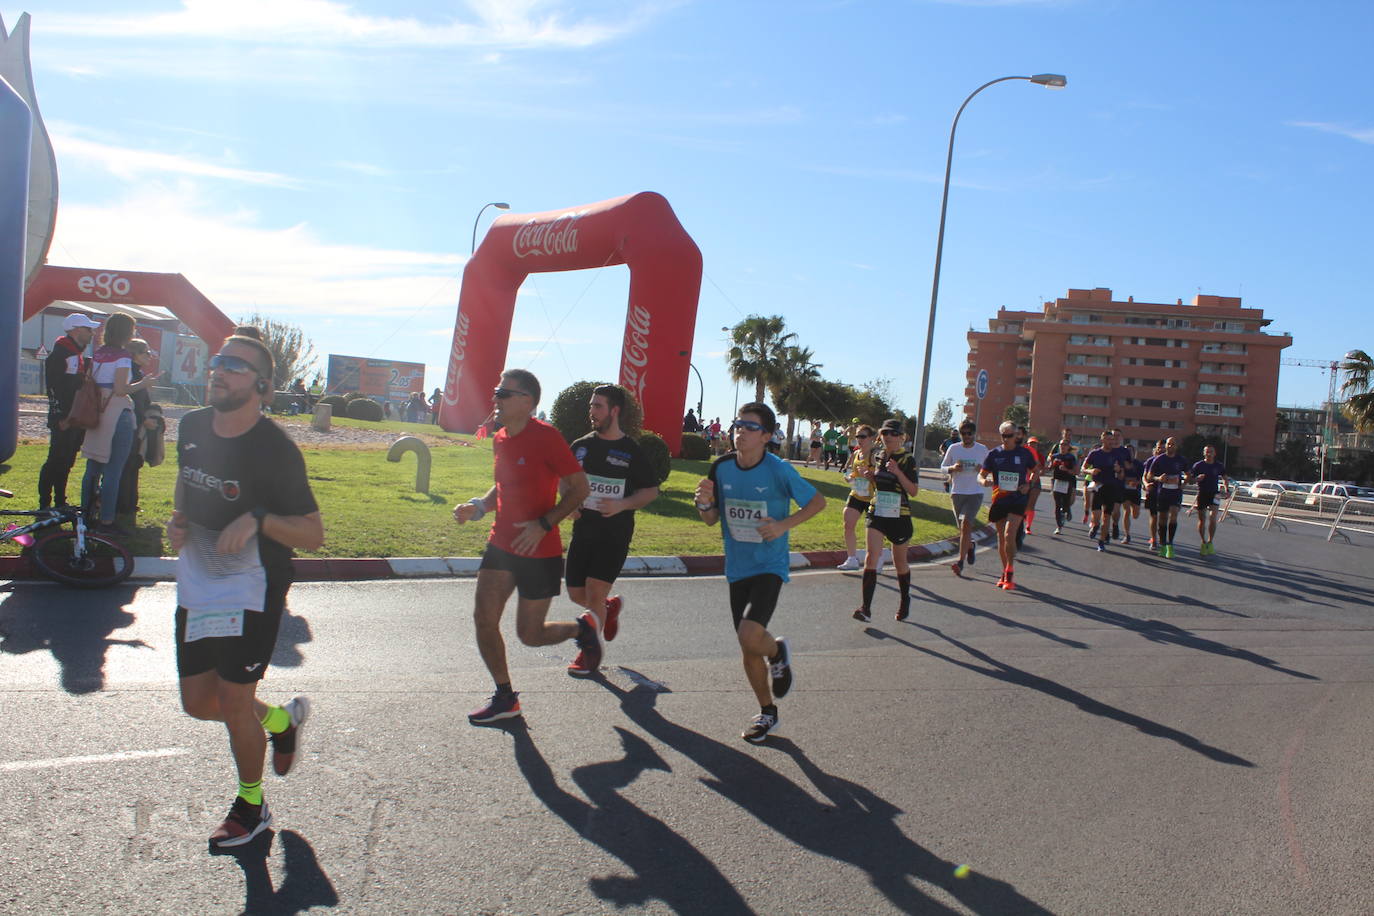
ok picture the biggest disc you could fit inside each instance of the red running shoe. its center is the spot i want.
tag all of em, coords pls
(614, 605)
(957, 568)
(1007, 581)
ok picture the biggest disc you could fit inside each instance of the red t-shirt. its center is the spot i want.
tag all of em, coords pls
(528, 467)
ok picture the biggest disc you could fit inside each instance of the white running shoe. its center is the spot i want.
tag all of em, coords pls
(850, 563)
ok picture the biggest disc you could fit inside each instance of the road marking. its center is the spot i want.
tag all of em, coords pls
(92, 758)
(1262, 561)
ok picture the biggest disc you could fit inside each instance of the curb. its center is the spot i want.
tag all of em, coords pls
(163, 569)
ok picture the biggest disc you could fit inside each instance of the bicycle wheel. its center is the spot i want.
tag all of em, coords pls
(104, 562)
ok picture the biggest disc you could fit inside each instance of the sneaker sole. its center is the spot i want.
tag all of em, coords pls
(303, 704)
(862, 618)
(759, 739)
(582, 672)
(513, 714)
(231, 842)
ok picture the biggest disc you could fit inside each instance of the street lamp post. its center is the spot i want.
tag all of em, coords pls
(1049, 80)
(701, 394)
(499, 206)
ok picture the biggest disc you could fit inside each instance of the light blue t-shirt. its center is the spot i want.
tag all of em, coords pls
(744, 498)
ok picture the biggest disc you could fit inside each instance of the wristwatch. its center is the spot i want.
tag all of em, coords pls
(259, 513)
(706, 508)
(544, 523)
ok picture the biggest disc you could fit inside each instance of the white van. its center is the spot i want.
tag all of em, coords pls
(1331, 495)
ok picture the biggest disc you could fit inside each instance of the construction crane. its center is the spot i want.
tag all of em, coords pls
(1332, 367)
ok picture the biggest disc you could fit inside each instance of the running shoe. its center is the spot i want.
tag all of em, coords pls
(1164, 551)
(614, 605)
(850, 563)
(1008, 582)
(1169, 551)
(970, 555)
(1092, 532)
(578, 666)
(957, 568)
(780, 669)
(1153, 545)
(243, 822)
(1101, 546)
(1002, 580)
(589, 642)
(1126, 539)
(759, 728)
(287, 744)
(862, 614)
(500, 706)
(903, 612)
(1059, 530)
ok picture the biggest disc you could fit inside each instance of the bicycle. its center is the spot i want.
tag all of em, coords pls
(79, 558)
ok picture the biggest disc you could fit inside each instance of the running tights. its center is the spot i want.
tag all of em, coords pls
(870, 584)
(1062, 508)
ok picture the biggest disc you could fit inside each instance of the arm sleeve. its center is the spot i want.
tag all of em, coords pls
(948, 460)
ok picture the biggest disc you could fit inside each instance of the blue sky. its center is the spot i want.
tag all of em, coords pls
(322, 162)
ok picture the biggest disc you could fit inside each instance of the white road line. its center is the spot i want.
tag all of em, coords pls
(92, 758)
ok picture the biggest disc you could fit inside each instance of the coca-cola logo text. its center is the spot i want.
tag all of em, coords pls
(104, 286)
(634, 357)
(556, 237)
(455, 360)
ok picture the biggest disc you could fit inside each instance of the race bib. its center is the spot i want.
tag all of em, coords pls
(968, 464)
(1008, 480)
(743, 517)
(1169, 486)
(861, 486)
(1062, 486)
(603, 488)
(204, 624)
(887, 504)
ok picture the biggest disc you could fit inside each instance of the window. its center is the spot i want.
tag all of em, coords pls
(1209, 409)
(1089, 340)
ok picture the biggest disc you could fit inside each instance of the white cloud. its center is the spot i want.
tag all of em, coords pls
(1361, 134)
(131, 164)
(286, 272)
(491, 23)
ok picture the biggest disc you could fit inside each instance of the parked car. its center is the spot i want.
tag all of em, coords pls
(1268, 489)
(1331, 495)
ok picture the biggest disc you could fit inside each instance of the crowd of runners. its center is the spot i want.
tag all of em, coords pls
(243, 501)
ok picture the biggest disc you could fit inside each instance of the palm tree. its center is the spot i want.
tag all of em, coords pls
(759, 354)
(791, 391)
(1359, 373)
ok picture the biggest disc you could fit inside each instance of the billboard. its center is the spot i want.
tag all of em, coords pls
(380, 379)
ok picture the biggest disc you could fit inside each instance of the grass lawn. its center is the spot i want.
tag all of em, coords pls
(371, 509)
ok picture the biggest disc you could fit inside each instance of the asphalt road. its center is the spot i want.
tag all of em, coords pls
(1122, 734)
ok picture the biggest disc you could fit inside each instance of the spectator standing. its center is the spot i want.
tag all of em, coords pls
(435, 400)
(146, 424)
(63, 371)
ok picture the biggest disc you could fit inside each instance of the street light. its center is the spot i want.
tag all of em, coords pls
(499, 206)
(1048, 80)
(701, 394)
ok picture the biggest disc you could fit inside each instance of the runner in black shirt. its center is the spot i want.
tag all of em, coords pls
(622, 481)
(242, 503)
(892, 469)
(1064, 474)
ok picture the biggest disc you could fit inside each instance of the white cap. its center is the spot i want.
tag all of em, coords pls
(78, 320)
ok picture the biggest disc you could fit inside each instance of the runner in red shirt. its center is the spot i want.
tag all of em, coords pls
(524, 551)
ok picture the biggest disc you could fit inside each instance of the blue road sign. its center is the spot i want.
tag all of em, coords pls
(981, 386)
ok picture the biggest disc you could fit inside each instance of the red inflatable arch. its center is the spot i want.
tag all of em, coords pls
(125, 287)
(639, 231)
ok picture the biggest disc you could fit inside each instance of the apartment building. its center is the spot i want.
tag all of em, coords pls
(1087, 361)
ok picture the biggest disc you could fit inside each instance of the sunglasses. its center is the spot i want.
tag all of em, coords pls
(863, 436)
(232, 364)
(502, 393)
(751, 425)
(1008, 435)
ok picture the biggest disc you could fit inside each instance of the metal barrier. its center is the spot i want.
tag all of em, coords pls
(1355, 515)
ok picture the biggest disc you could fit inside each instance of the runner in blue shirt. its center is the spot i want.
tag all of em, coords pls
(752, 490)
(1167, 470)
(1007, 469)
(1152, 494)
(1208, 474)
(1132, 475)
(1103, 464)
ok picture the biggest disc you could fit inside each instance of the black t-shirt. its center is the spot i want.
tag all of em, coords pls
(1064, 465)
(223, 478)
(885, 481)
(615, 468)
(62, 372)
(1132, 472)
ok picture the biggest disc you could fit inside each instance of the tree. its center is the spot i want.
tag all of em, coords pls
(1293, 461)
(944, 414)
(1358, 388)
(292, 352)
(794, 389)
(759, 354)
(1018, 414)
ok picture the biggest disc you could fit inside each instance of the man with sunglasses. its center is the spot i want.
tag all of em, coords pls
(242, 503)
(621, 481)
(1103, 465)
(960, 464)
(1007, 469)
(538, 484)
(752, 492)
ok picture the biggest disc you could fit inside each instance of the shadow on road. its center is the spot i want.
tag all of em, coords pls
(1001, 671)
(294, 632)
(666, 866)
(304, 884)
(856, 827)
(970, 610)
(1161, 632)
(77, 633)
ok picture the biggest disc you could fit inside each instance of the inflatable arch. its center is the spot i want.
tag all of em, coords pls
(126, 287)
(639, 231)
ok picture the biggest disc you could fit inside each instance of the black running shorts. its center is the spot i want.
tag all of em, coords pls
(896, 530)
(860, 505)
(1106, 497)
(535, 577)
(1002, 508)
(755, 598)
(1169, 498)
(1130, 497)
(236, 659)
(595, 554)
(1206, 500)
(1152, 500)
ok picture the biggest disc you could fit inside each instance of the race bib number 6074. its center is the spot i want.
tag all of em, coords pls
(743, 517)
